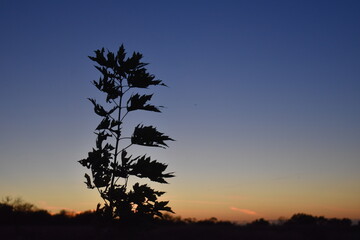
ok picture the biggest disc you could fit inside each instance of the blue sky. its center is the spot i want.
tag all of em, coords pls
(263, 101)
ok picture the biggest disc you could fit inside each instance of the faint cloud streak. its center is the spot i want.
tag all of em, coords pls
(245, 211)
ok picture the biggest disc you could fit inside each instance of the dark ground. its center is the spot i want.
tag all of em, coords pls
(175, 232)
(21, 222)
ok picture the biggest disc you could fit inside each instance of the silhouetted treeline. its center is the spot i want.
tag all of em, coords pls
(300, 219)
(19, 220)
(18, 212)
(15, 212)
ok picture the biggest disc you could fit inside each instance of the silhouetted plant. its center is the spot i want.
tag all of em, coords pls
(122, 79)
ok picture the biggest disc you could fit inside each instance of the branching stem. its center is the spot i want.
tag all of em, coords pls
(118, 135)
(122, 119)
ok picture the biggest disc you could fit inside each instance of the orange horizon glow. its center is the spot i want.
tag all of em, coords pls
(221, 210)
(246, 208)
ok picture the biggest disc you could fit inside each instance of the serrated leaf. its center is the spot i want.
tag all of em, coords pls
(149, 136)
(133, 63)
(103, 71)
(85, 163)
(98, 84)
(110, 59)
(142, 192)
(120, 56)
(88, 181)
(101, 179)
(104, 124)
(124, 159)
(162, 206)
(110, 88)
(101, 136)
(109, 147)
(154, 170)
(142, 79)
(99, 58)
(98, 109)
(114, 123)
(120, 171)
(137, 102)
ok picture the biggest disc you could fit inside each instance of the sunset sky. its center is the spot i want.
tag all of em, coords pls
(263, 101)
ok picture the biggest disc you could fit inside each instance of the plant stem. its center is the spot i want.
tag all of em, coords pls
(118, 135)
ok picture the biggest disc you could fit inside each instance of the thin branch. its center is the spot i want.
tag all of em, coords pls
(101, 195)
(126, 181)
(114, 102)
(117, 179)
(125, 148)
(124, 139)
(111, 117)
(126, 89)
(113, 134)
(122, 119)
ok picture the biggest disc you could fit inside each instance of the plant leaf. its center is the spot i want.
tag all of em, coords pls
(149, 136)
(99, 58)
(137, 102)
(101, 136)
(88, 181)
(142, 79)
(154, 170)
(98, 109)
(105, 123)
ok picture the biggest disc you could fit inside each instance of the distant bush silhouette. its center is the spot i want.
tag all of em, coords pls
(16, 211)
(301, 219)
(345, 222)
(109, 161)
(259, 223)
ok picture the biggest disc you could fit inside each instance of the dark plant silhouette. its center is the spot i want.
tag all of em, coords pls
(122, 79)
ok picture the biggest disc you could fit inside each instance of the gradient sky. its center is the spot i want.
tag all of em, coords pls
(263, 102)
